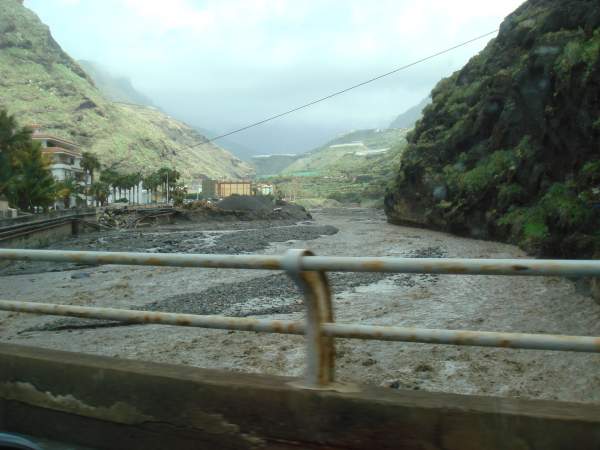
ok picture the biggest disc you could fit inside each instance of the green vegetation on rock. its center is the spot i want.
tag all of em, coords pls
(509, 148)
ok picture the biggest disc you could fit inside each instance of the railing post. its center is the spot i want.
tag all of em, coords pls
(320, 366)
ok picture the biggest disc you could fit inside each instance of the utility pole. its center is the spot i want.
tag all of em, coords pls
(167, 186)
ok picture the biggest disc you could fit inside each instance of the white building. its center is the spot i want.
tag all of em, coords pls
(264, 189)
(65, 157)
(5, 210)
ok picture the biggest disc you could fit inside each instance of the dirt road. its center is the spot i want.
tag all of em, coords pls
(545, 305)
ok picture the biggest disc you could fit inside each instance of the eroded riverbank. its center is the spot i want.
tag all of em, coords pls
(546, 305)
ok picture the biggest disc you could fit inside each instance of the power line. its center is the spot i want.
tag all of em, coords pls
(334, 94)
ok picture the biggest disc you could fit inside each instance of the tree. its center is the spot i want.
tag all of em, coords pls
(179, 192)
(151, 182)
(110, 177)
(137, 179)
(168, 178)
(132, 181)
(100, 191)
(31, 183)
(12, 139)
(90, 163)
(25, 177)
(66, 189)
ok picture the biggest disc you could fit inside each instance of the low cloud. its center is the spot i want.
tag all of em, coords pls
(221, 64)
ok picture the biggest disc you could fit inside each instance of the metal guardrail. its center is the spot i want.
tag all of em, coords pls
(22, 219)
(309, 273)
(19, 229)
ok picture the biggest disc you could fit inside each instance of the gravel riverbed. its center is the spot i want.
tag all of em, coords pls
(517, 304)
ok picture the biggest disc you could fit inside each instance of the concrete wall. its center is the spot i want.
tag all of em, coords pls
(39, 238)
(108, 403)
(88, 212)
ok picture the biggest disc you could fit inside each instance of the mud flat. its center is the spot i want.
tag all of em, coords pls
(515, 304)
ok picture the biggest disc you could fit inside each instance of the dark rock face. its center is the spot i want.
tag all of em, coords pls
(509, 149)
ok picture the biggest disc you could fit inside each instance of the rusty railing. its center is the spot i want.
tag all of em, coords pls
(309, 273)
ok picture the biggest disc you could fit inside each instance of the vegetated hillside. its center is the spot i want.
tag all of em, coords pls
(351, 153)
(270, 165)
(352, 168)
(40, 83)
(117, 89)
(231, 145)
(510, 147)
(409, 117)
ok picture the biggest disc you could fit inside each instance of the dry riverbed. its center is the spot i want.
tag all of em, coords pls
(517, 304)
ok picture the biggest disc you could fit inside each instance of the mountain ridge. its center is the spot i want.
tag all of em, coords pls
(409, 118)
(41, 84)
(116, 88)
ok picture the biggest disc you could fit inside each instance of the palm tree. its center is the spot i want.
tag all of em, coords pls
(90, 163)
(151, 182)
(137, 179)
(130, 181)
(110, 177)
(68, 188)
(99, 190)
(168, 178)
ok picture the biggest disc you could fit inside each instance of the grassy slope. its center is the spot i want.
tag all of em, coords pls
(330, 160)
(339, 173)
(39, 83)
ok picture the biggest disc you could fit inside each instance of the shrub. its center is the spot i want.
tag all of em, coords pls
(489, 172)
(510, 194)
(590, 172)
(579, 51)
(562, 206)
(559, 213)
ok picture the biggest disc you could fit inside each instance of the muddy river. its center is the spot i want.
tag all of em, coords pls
(488, 303)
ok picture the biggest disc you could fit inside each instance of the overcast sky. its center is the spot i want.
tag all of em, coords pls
(219, 64)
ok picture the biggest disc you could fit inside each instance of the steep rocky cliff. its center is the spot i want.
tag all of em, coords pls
(115, 88)
(41, 84)
(509, 149)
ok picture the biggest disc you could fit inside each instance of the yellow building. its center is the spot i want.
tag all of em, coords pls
(222, 189)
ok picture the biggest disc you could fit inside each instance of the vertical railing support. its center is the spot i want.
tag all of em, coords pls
(317, 300)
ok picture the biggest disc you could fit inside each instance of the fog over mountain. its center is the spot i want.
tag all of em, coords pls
(219, 65)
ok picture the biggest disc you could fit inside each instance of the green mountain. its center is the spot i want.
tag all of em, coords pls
(509, 149)
(117, 89)
(352, 168)
(231, 145)
(352, 153)
(270, 165)
(41, 84)
(409, 117)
